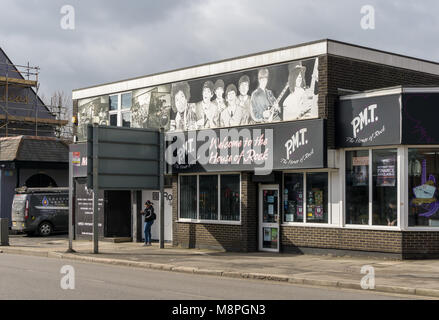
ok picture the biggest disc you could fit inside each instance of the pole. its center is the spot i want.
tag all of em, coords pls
(95, 191)
(162, 191)
(71, 203)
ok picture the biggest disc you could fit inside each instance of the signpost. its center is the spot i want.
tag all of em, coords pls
(124, 159)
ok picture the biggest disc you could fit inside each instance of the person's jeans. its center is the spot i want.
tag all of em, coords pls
(148, 231)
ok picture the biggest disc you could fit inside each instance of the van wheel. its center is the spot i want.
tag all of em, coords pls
(45, 229)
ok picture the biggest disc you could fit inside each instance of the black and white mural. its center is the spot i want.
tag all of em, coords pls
(151, 107)
(270, 94)
(93, 110)
(276, 93)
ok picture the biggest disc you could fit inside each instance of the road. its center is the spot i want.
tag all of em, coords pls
(26, 277)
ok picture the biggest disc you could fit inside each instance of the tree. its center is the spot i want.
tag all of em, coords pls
(60, 106)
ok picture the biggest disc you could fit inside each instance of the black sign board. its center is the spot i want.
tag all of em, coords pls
(84, 210)
(263, 148)
(419, 118)
(371, 121)
(128, 159)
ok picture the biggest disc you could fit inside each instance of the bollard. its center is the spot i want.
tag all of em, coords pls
(4, 232)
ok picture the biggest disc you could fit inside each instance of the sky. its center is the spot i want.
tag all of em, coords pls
(114, 40)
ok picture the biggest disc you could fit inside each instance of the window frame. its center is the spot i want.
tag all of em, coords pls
(400, 192)
(405, 225)
(305, 202)
(119, 111)
(204, 221)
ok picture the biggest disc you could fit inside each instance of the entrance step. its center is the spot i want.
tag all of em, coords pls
(118, 240)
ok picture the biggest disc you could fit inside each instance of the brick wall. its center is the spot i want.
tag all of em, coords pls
(221, 236)
(341, 239)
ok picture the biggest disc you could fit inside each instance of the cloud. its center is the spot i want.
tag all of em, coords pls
(115, 40)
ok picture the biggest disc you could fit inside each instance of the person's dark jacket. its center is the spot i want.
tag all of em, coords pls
(149, 214)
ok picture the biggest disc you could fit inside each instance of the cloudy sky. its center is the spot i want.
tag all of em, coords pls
(115, 40)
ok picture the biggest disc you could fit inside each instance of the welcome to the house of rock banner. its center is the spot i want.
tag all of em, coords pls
(260, 148)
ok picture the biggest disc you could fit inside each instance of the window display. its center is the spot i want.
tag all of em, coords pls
(293, 197)
(385, 190)
(423, 175)
(357, 187)
(317, 197)
(208, 197)
(188, 197)
(200, 197)
(230, 197)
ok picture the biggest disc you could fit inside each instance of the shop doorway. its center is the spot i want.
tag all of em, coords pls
(117, 214)
(269, 218)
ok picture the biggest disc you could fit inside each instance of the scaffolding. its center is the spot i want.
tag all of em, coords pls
(22, 112)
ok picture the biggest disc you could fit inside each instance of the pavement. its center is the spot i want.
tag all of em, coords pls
(408, 277)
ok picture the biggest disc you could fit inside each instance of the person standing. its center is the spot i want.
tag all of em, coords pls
(149, 220)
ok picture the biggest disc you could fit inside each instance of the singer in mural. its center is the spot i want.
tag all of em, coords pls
(264, 106)
(301, 103)
(219, 101)
(233, 115)
(206, 110)
(185, 117)
(244, 98)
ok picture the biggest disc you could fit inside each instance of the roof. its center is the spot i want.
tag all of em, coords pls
(390, 91)
(33, 149)
(282, 55)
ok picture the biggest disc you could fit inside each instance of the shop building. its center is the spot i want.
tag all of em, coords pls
(320, 147)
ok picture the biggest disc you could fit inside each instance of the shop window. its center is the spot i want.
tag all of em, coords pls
(209, 191)
(317, 197)
(293, 197)
(230, 197)
(423, 174)
(315, 209)
(385, 188)
(188, 197)
(372, 191)
(357, 187)
(208, 197)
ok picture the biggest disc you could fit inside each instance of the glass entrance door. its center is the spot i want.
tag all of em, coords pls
(269, 218)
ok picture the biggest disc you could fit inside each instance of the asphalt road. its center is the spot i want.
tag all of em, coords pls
(25, 277)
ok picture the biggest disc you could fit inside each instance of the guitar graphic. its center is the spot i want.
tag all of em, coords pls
(275, 111)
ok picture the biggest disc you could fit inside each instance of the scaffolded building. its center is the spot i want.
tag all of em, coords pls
(22, 112)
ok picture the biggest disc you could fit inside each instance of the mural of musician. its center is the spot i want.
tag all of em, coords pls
(140, 108)
(283, 92)
(301, 103)
(185, 117)
(244, 99)
(219, 101)
(233, 115)
(207, 110)
(94, 110)
(265, 107)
